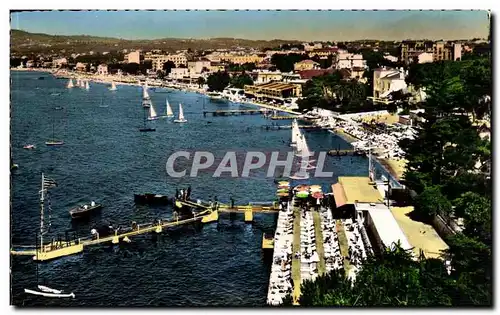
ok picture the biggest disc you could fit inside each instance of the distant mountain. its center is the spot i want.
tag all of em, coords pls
(25, 42)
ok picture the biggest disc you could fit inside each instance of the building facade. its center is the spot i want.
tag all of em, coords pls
(199, 65)
(266, 76)
(274, 90)
(446, 51)
(133, 57)
(305, 65)
(349, 61)
(102, 69)
(387, 80)
(179, 73)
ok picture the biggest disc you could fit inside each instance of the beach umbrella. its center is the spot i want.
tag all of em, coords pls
(302, 194)
(317, 195)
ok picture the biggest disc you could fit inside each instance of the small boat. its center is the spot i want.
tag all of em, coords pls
(54, 142)
(84, 210)
(113, 86)
(58, 108)
(29, 147)
(181, 116)
(55, 94)
(70, 84)
(50, 294)
(151, 199)
(14, 166)
(147, 129)
(87, 86)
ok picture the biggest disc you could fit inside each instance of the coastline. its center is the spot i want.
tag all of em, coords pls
(136, 81)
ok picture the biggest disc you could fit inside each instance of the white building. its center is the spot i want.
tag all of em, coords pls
(391, 58)
(425, 57)
(349, 61)
(102, 69)
(159, 60)
(133, 57)
(197, 66)
(308, 47)
(179, 73)
(387, 80)
(58, 63)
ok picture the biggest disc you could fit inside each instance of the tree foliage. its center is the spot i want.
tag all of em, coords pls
(168, 66)
(218, 81)
(285, 62)
(239, 81)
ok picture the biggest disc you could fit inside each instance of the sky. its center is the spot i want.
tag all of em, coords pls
(264, 25)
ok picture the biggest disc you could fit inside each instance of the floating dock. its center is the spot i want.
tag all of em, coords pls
(234, 112)
(306, 127)
(348, 152)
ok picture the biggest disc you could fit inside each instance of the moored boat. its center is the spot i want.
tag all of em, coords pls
(84, 210)
(148, 198)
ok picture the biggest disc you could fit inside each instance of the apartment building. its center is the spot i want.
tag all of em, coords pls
(387, 80)
(159, 60)
(305, 65)
(446, 51)
(133, 57)
(102, 69)
(349, 61)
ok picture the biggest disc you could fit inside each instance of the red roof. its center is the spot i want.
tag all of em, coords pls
(309, 74)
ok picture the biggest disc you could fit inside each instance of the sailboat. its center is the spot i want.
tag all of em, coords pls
(113, 86)
(152, 113)
(70, 83)
(87, 86)
(146, 100)
(53, 141)
(181, 116)
(44, 290)
(145, 128)
(168, 110)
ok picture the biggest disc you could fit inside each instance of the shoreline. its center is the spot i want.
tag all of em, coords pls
(136, 81)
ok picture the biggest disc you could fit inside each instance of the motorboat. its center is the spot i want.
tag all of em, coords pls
(148, 198)
(29, 147)
(84, 210)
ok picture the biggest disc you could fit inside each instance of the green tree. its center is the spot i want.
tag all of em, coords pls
(218, 81)
(432, 202)
(168, 66)
(200, 81)
(241, 80)
(285, 63)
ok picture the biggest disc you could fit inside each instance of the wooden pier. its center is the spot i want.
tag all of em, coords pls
(305, 127)
(348, 152)
(234, 112)
(207, 214)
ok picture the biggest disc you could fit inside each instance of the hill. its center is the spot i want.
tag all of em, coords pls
(25, 42)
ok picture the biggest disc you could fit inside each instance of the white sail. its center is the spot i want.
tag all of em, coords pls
(169, 112)
(181, 116)
(152, 112)
(113, 86)
(145, 94)
(181, 113)
(70, 83)
(87, 86)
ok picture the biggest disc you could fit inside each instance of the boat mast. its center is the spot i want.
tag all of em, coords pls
(41, 213)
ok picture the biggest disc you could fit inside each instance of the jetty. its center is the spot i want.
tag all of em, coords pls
(60, 248)
(305, 127)
(234, 112)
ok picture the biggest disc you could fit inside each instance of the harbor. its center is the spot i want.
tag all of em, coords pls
(96, 162)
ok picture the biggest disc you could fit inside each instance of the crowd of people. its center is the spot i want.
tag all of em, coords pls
(356, 246)
(280, 282)
(331, 245)
(309, 257)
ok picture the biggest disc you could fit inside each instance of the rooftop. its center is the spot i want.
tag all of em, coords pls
(421, 236)
(309, 74)
(358, 189)
(388, 228)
